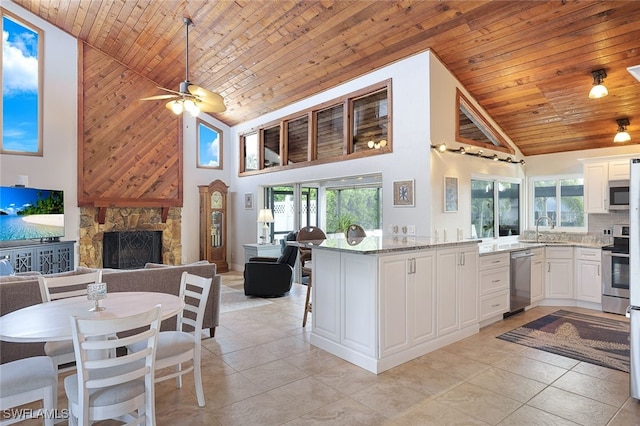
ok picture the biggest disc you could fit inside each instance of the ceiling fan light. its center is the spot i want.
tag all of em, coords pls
(177, 107)
(195, 110)
(189, 104)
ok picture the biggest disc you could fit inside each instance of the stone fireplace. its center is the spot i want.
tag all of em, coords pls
(90, 246)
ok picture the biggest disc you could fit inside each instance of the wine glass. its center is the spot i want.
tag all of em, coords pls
(97, 292)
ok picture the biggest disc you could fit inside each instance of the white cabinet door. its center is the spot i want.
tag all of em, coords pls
(447, 308)
(619, 169)
(407, 293)
(537, 275)
(559, 279)
(468, 286)
(596, 177)
(588, 281)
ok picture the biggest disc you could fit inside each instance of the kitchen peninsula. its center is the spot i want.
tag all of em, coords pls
(379, 302)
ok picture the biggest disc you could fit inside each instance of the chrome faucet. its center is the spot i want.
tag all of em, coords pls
(538, 223)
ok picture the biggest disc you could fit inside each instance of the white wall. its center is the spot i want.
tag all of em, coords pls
(193, 176)
(443, 114)
(409, 160)
(57, 168)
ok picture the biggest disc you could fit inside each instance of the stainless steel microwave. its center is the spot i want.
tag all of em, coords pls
(619, 195)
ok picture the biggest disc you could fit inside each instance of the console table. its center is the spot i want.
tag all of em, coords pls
(46, 258)
(261, 250)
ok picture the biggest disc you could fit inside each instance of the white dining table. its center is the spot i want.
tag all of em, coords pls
(50, 321)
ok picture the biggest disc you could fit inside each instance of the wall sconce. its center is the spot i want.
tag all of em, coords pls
(622, 135)
(467, 151)
(598, 90)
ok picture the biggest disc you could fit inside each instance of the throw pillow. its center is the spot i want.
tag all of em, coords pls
(6, 269)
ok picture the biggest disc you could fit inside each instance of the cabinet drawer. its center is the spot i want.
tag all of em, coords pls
(494, 280)
(588, 254)
(559, 253)
(494, 261)
(494, 304)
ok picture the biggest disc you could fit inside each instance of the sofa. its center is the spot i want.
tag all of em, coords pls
(22, 290)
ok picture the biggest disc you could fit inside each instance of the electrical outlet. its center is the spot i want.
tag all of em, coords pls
(411, 230)
(391, 229)
(404, 229)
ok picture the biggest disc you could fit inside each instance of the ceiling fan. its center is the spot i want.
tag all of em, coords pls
(189, 96)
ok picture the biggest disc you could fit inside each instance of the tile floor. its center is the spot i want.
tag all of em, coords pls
(261, 370)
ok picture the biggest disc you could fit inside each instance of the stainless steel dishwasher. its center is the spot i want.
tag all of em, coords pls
(520, 296)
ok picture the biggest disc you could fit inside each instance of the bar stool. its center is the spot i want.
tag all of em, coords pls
(307, 234)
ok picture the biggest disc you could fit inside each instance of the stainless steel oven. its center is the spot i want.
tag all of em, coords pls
(615, 272)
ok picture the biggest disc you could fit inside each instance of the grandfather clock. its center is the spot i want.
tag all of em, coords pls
(213, 224)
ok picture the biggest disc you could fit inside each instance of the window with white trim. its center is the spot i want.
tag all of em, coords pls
(560, 198)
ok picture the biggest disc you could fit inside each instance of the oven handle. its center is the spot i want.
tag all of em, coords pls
(620, 255)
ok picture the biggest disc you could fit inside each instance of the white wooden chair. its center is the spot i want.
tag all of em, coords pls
(53, 288)
(113, 388)
(184, 344)
(28, 380)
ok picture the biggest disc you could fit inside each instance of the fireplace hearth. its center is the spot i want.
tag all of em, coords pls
(131, 249)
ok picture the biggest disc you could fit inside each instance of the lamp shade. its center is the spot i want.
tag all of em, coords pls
(265, 216)
(622, 137)
(598, 91)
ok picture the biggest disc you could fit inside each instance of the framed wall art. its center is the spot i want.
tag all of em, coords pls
(403, 193)
(248, 200)
(450, 194)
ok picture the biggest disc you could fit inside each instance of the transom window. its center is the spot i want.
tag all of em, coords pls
(21, 104)
(357, 125)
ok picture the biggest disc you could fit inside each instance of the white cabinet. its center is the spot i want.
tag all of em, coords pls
(596, 178)
(494, 285)
(559, 273)
(619, 169)
(588, 275)
(407, 292)
(537, 275)
(456, 289)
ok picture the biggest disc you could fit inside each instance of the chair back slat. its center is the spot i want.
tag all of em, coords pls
(54, 288)
(194, 301)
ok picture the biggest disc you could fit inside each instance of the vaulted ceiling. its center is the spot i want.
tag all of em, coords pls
(528, 63)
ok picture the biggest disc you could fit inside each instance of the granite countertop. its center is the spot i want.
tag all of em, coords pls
(489, 248)
(379, 245)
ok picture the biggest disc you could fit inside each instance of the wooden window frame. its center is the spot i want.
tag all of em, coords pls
(312, 157)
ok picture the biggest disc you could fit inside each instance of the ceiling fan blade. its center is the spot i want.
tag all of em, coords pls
(158, 97)
(211, 106)
(205, 95)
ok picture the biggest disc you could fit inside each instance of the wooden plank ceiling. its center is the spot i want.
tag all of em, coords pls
(528, 63)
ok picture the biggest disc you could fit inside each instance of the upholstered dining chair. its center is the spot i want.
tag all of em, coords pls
(184, 344)
(317, 235)
(113, 388)
(27, 380)
(62, 287)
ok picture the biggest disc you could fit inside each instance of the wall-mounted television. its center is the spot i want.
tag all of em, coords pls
(31, 214)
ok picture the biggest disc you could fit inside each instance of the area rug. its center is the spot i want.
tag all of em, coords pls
(235, 300)
(588, 338)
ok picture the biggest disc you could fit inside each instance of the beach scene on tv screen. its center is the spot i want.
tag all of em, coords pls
(30, 213)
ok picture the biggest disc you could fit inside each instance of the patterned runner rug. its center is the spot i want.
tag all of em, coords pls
(587, 338)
